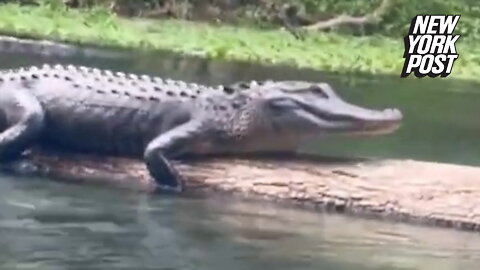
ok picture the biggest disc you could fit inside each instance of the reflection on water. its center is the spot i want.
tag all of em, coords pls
(49, 225)
(58, 226)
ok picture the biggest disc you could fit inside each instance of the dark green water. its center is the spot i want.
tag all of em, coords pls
(49, 225)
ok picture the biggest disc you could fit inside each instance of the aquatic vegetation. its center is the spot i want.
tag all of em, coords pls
(322, 51)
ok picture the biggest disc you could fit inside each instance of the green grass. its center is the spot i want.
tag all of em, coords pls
(322, 51)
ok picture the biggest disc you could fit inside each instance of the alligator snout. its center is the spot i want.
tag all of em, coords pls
(392, 114)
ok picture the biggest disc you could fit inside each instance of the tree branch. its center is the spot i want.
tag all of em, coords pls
(343, 19)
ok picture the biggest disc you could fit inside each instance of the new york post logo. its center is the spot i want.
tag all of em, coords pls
(430, 46)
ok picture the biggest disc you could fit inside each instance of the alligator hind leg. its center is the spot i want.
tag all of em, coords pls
(21, 121)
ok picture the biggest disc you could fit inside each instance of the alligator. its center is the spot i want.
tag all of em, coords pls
(88, 110)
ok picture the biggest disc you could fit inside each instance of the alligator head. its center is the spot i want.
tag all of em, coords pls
(292, 111)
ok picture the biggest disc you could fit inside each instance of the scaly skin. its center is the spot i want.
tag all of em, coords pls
(89, 110)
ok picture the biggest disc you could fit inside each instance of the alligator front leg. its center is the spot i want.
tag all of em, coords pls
(22, 119)
(171, 144)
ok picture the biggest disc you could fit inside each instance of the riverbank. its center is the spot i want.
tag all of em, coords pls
(321, 51)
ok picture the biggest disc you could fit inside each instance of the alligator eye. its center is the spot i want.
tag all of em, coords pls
(319, 92)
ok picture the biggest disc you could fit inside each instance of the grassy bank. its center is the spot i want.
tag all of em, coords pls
(331, 52)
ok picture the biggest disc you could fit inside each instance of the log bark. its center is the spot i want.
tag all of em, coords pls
(404, 190)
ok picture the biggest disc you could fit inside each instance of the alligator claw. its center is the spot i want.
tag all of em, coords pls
(175, 183)
(168, 189)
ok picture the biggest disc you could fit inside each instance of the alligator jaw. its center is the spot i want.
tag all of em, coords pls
(355, 120)
(377, 122)
(377, 128)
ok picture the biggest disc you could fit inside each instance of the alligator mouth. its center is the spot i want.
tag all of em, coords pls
(375, 127)
(359, 121)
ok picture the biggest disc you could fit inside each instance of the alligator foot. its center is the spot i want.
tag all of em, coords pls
(167, 179)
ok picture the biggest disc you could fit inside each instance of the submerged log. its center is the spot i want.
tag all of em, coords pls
(404, 190)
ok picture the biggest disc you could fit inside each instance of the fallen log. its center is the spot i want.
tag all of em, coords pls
(404, 190)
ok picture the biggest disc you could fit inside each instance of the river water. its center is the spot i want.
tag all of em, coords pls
(51, 225)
